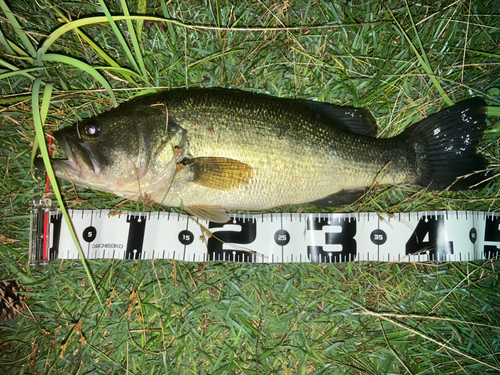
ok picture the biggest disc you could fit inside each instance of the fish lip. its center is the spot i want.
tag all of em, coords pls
(78, 155)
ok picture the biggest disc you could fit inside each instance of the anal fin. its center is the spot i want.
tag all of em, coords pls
(341, 198)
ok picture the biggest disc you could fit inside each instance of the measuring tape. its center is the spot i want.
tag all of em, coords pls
(266, 238)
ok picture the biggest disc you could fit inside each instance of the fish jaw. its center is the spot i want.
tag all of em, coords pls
(81, 164)
(133, 187)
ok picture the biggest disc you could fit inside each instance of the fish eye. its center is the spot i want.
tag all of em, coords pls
(92, 129)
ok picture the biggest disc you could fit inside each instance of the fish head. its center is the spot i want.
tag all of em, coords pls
(128, 152)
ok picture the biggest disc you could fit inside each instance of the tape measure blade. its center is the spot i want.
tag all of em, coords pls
(282, 237)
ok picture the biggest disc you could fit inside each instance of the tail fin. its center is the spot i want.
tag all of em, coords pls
(446, 145)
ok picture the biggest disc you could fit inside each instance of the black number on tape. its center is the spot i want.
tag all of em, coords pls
(244, 236)
(89, 234)
(436, 246)
(186, 237)
(56, 221)
(492, 233)
(343, 237)
(378, 237)
(282, 237)
(473, 235)
(135, 237)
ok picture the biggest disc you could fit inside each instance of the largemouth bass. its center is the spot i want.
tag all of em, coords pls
(212, 150)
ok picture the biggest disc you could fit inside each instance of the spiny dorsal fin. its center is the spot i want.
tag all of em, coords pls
(219, 173)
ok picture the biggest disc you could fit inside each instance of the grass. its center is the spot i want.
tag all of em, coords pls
(402, 60)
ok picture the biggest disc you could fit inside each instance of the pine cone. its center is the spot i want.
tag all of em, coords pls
(11, 303)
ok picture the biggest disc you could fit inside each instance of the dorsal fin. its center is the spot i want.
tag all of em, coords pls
(354, 120)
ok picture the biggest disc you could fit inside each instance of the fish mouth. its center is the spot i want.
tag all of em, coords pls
(81, 162)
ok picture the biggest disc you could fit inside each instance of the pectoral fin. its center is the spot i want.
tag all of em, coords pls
(216, 214)
(219, 173)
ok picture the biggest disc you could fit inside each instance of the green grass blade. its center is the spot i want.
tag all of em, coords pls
(18, 29)
(5, 43)
(52, 57)
(101, 19)
(17, 71)
(141, 9)
(39, 115)
(417, 37)
(488, 54)
(423, 61)
(118, 34)
(213, 57)
(135, 43)
(21, 54)
(94, 46)
(165, 11)
(493, 111)
(56, 34)
(122, 71)
(12, 100)
(44, 108)
(339, 69)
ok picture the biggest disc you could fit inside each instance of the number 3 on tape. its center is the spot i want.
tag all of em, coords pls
(340, 245)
